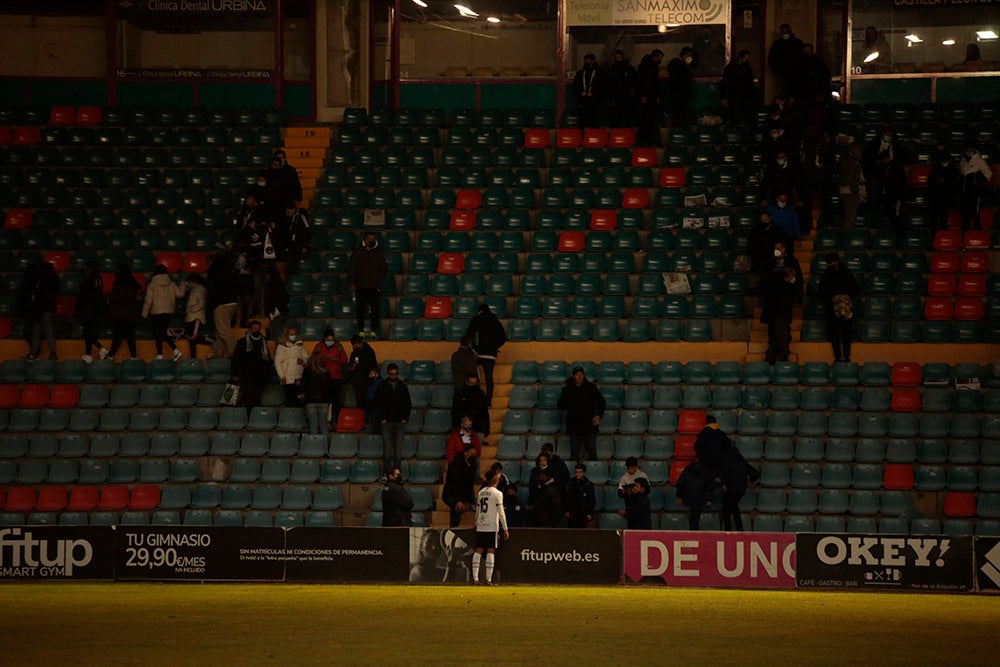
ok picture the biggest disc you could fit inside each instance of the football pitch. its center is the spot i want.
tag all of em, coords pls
(192, 624)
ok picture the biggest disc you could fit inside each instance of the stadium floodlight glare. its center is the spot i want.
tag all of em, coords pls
(986, 34)
(465, 11)
(948, 42)
(913, 39)
(492, 19)
(871, 56)
(420, 3)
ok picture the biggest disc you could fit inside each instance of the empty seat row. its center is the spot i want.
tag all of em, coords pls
(128, 177)
(139, 117)
(191, 517)
(185, 137)
(106, 371)
(132, 157)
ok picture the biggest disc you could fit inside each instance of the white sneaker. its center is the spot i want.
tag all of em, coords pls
(103, 354)
(87, 359)
(177, 355)
(159, 357)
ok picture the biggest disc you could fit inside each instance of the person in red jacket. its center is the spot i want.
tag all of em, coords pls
(334, 358)
(461, 437)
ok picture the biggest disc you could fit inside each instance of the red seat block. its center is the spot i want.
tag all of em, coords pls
(676, 468)
(66, 305)
(969, 308)
(938, 308)
(109, 281)
(64, 396)
(51, 499)
(89, 116)
(34, 396)
(537, 138)
(975, 262)
(469, 199)
(644, 157)
(195, 262)
(114, 497)
(948, 239)
(959, 504)
(602, 220)
(451, 263)
(976, 239)
(438, 308)
(569, 138)
(918, 176)
(944, 262)
(6, 327)
(145, 497)
(6, 135)
(59, 259)
(18, 218)
(905, 399)
(350, 420)
(10, 396)
(673, 177)
(623, 137)
(572, 241)
(635, 198)
(27, 136)
(20, 499)
(905, 374)
(684, 447)
(972, 284)
(595, 137)
(83, 498)
(62, 114)
(170, 259)
(941, 284)
(690, 421)
(462, 221)
(898, 477)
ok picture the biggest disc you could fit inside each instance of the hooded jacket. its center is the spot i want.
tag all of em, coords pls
(581, 403)
(334, 358)
(161, 296)
(367, 268)
(397, 505)
(487, 334)
(196, 304)
(289, 360)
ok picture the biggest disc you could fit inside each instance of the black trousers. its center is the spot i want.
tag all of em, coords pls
(731, 519)
(840, 332)
(367, 298)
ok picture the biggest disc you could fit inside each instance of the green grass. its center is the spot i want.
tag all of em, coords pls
(180, 624)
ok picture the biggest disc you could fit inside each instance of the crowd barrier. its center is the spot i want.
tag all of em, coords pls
(557, 556)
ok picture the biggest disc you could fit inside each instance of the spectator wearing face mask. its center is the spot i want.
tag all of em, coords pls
(334, 358)
(784, 216)
(587, 84)
(681, 85)
(290, 358)
(781, 176)
(976, 175)
(284, 181)
(782, 290)
(251, 366)
(783, 58)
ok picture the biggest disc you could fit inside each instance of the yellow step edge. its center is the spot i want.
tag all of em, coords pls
(308, 132)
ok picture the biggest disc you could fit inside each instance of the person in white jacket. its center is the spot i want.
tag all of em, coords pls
(290, 358)
(194, 313)
(976, 174)
(159, 306)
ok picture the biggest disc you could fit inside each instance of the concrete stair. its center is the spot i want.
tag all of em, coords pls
(306, 151)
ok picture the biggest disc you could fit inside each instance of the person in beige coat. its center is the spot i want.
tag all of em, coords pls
(159, 306)
(195, 313)
(290, 358)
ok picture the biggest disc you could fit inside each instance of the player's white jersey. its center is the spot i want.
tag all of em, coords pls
(490, 516)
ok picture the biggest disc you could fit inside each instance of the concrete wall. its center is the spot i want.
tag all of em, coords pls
(52, 46)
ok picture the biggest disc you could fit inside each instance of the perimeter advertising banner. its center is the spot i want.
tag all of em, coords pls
(200, 553)
(57, 553)
(987, 564)
(346, 554)
(646, 12)
(560, 556)
(885, 562)
(716, 559)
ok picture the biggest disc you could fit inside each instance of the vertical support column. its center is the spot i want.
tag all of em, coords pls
(561, 38)
(849, 58)
(111, 51)
(395, 70)
(279, 55)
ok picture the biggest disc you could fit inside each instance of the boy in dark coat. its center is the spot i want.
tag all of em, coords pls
(694, 488)
(581, 500)
(638, 515)
(547, 508)
(737, 474)
(397, 504)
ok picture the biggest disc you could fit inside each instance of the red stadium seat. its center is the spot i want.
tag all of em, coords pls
(10, 396)
(690, 421)
(969, 308)
(114, 497)
(537, 138)
(644, 157)
(623, 137)
(64, 396)
(20, 499)
(59, 259)
(975, 262)
(141, 279)
(971, 284)
(195, 262)
(451, 263)
(905, 374)
(52, 499)
(676, 468)
(944, 262)
(603, 220)
(350, 420)
(976, 239)
(684, 447)
(34, 396)
(569, 138)
(66, 305)
(462, 221)
(437, 308)
(6, 327)
(673, 177)
(109, 280)
(18, 218)
(145, 497)
(986, 213)
(62, 114)
(27, 136)
(948, 239)
(89, 116)
(938, 308)
(918, 176)
(83, 498)
(595, 137)
(960, 504)
(572, 241)
(635, 198)
(905, 399)
(6, 135)
(170, 259)
(898, 477)
(941, 284)
(469, 199)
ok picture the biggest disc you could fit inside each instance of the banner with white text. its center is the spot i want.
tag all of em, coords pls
(672, 13)
(57, 553)
(560, 556)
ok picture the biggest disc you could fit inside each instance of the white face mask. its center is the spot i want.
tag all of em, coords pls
(782, 163)
(782, 204)
(777, 253)
(785, 36)
(689, 60)
(328, 343)
(293, 338)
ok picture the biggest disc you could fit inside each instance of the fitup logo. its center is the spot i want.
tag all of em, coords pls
(22, 555)
(992, 566)
(532, 556)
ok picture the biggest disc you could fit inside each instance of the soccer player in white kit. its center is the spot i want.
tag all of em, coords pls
(490, 519)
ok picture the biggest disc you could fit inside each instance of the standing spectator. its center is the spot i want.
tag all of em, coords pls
(546, 507)
(587, 86)
(638, 513)
(194, 313)
(248, 212)
(813, 80)
(488, 336)
(681, 86)
(784, 216)
(739, 90)
(38, 299)
(283, 179)
(581, 499)
(458, 492)
(392, 407)
(584, 406)
(710, 445)
(737, 475)
(838, 289)
(123, 307)
(462, 437)
(761, 248)
(873, 56)
(502, 480)
(463, 361)
(249, 253)
(365, 272)
(976, 174)
(882, 160)
(335, 359)
(648, 92)
(360, 365)
(90, 307)
(251, 366)
(694, 489)
(560, 471)
(517, 513)
(267, 202)
(783, 59)
(781, 176)
(297, 237)
(470, 401)
(159, 307)
(632, 473)
(490, 520)
(290, 359)
(621, 90)
(782, 290)
(852, 185)
(222, 298)
(973, 60)
(944, 182)
(542, 464)
(397, 505)
(275, 301)
(316, 390)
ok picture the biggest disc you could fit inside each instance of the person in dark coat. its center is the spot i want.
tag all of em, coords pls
(316, 388)
(710, 445)
(783, 59)
(885, 177)
(514, 507)
(838, 290)
(681, 86)
(694, 489)
(560, 471)
(275, 301)
(464, 360)
(647, 84)
(397, 505)
(38, 300)
(365, 273)
(392, 411)
(638, 514)
(251, 366)
(976, 175)
(621, 81)
(737, 475)
(295, 238)
(584, 406)
(944, 182)
(760, 247)
(361, 362)
(739, 90)
(546, 508)
(459, 492)
(783, 289)
(581, 499)
(283, 179)
(470, 401)
(488, 336)
(781, 176)
(123, 308)
(587, 85)
(502, 480)
(90, 308)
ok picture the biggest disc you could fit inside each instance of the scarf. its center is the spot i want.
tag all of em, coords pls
(265, 353)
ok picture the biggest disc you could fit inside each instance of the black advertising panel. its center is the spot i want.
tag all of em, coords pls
(196, 553)
(57, 552)
(440, 555)
(346, 554)
(560, 556)
(884, 562)
(988, 564)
